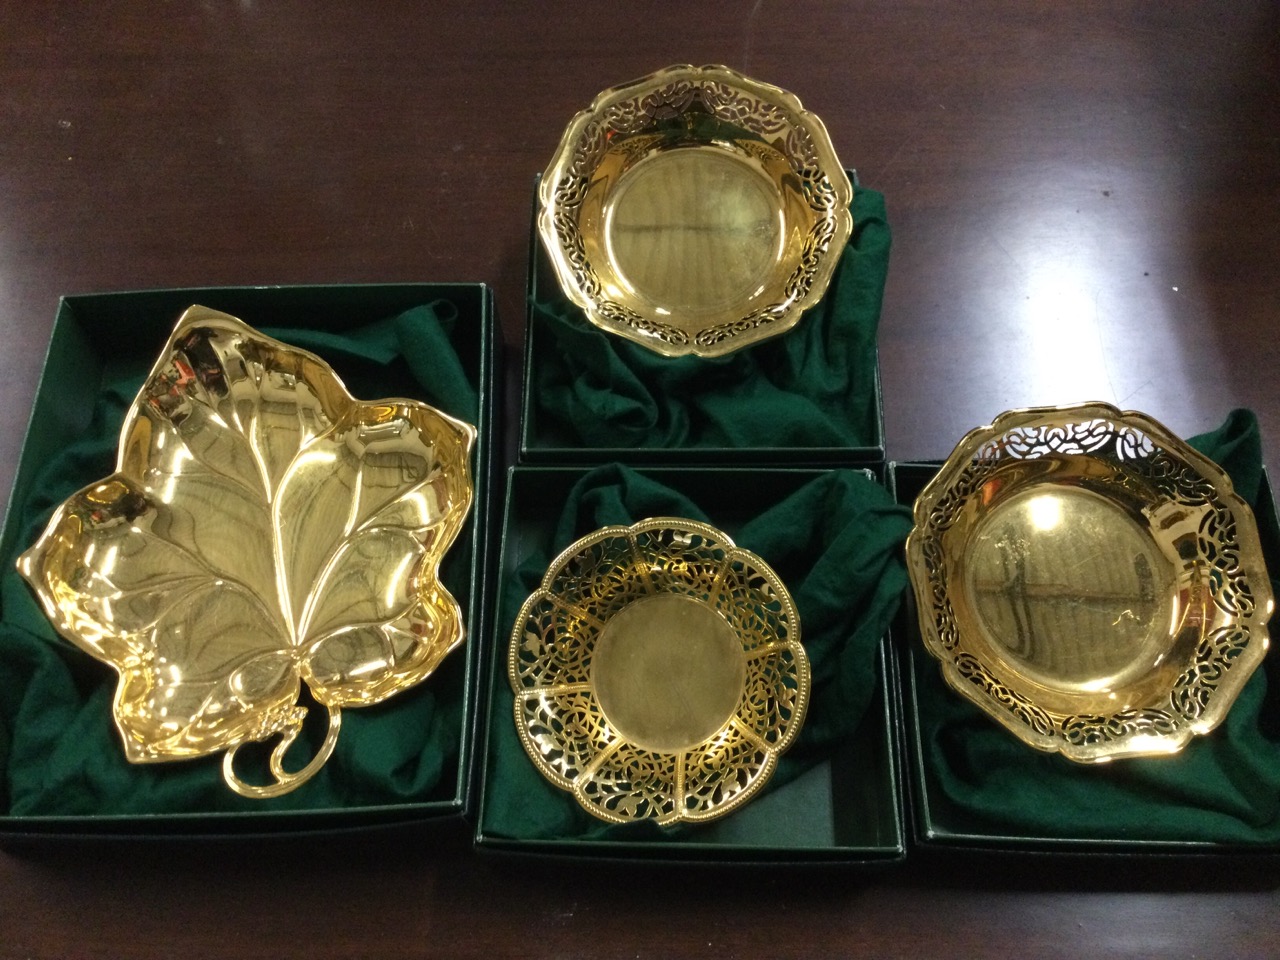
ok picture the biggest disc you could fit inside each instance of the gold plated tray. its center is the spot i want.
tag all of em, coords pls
(658, 672)
(262, 529)
(695, 210)
(1090, 581)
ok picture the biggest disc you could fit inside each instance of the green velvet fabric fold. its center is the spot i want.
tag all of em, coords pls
(813, 386)
(1221, 788)
(836, 544)
(60, 753)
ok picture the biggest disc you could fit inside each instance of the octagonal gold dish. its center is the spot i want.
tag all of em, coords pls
(658, 672)
(1090, 581)
(695, 210)
(262, 530)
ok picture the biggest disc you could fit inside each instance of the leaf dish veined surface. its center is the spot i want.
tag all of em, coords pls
(262, 530)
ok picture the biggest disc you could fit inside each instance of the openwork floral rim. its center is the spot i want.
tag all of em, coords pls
(633, 120)
(1181, 504)
(555, 640)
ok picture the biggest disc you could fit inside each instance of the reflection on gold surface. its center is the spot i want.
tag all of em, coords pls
(262, 530)
(1090, 581)
(694, 227)
(695, 211)
(658, 672)
(1065, 585)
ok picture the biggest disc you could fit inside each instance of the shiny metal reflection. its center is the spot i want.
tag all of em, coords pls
(262, 530)
(695, 210)
(658, 672)
(1090, 581)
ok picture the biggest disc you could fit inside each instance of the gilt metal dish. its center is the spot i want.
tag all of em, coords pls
(1090, 581)
(262, 529)
(695, 210)
(658, 672)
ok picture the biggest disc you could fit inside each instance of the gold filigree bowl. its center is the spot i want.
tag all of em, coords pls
(262, 530)
(695, 210)
(658, 672)
(1090, 581)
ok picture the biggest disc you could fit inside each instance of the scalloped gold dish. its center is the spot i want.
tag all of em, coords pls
(1090, 581)
(695, 210)
(263, 529)
(658, 672)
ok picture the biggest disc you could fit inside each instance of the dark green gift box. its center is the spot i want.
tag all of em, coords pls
(834, 538)
(62, 766)
(806, 397)
(973, 786)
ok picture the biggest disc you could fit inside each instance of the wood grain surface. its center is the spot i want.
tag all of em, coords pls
(1085, 199)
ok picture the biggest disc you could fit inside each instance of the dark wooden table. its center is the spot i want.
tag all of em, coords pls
(1085, 200)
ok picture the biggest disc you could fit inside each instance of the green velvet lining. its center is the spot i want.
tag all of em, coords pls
(836, 544)
(814, 386)
(59, 751)
(1223, 787)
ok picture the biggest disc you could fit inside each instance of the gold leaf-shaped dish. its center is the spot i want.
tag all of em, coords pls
(1090, 581)
(262, 529)
(695, 210)
(658, 672)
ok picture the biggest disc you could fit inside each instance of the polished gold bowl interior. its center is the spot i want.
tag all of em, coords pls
(262, 530)
(658, 672)
(695, 210)
(1090, 581)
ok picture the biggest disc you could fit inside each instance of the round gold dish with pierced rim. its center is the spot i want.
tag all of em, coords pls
(658, 672)
(1090, 581)
(695, 210)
